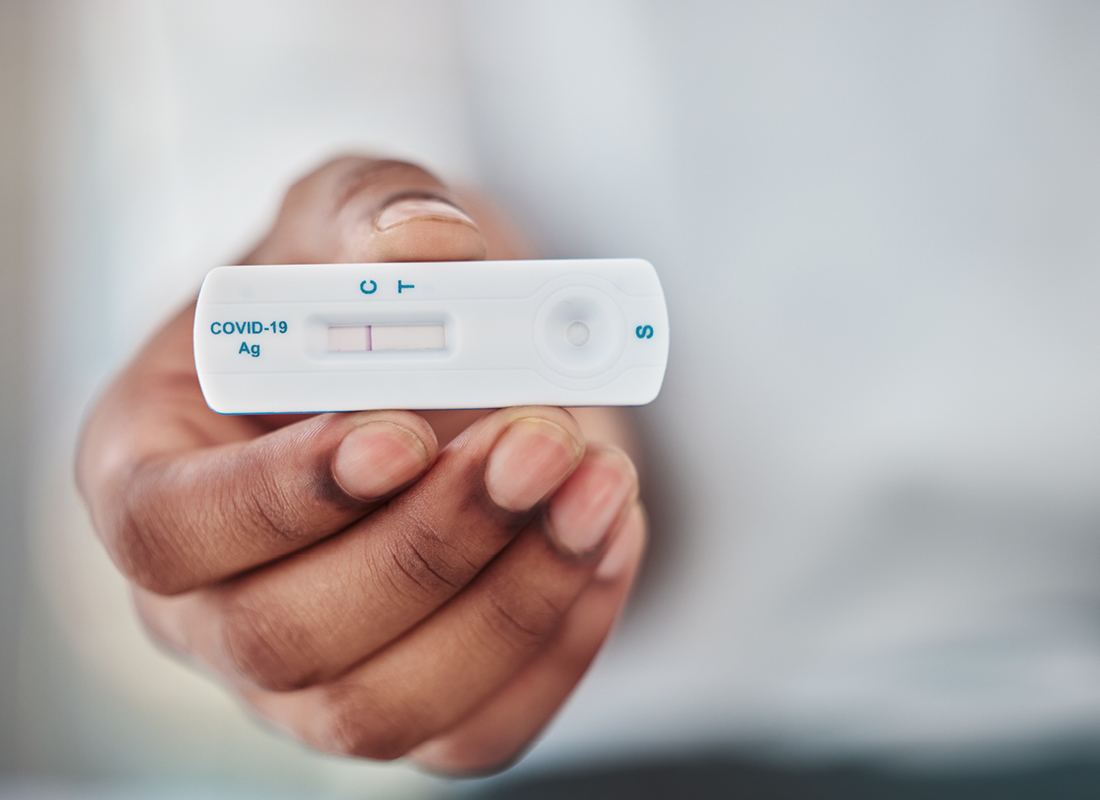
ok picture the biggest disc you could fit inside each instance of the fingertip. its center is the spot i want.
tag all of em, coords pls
(427, 239)
(419, 208)
(419, 227)
(588, 509)
(626, 549)
(529, 460)
(378, 457)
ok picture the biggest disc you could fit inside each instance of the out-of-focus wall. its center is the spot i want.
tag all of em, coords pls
(15, 131)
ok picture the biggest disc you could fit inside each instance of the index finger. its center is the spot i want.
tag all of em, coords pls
(177, 509)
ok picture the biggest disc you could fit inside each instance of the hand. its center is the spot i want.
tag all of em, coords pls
(376, 583)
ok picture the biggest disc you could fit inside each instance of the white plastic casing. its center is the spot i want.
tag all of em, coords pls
(486, 334)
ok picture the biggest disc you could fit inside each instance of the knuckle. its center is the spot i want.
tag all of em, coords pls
(272, 504)
(254, 645)
(517, 619)
(426, 565)
(285, 506)
(345, 725)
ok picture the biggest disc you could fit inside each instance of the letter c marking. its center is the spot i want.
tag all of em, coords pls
(373, 287)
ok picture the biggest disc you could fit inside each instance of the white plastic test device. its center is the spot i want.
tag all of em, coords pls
(477, 334)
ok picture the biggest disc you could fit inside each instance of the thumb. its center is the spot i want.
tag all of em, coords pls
(357, 209)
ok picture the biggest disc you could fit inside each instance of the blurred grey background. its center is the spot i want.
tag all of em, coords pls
(876, 461)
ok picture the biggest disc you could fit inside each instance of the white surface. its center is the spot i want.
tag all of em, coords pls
(349, 338)
(408, 337)
(508, 346)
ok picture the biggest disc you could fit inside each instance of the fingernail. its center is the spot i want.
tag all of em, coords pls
(376, 458)
(586, 508)
(626, 548)
(411, 208)
(528, 461)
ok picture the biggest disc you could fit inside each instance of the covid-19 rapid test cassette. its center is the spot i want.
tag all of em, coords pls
(477, 334)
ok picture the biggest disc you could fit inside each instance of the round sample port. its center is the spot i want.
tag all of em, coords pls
(579, 332)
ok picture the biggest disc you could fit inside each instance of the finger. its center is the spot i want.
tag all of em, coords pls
(438, 673)
(497, 732)
(361, 209)
(311, 617)
(180, 521)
